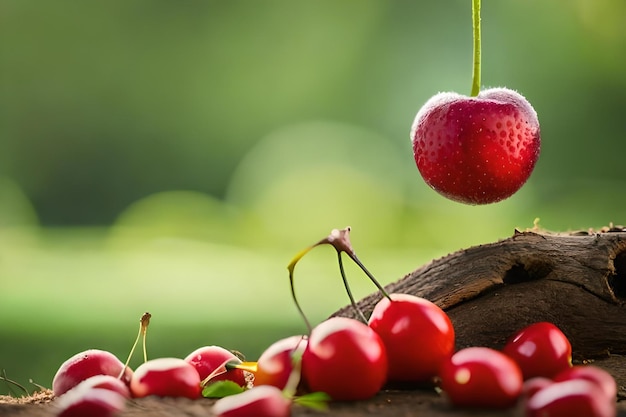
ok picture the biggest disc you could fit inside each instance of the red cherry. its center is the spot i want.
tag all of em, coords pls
(261, 401)
(476, 150)
(87, 364)
(533, 385)
(571, 398)
(481, 377)
(418, 336)
(105, 382)
(93, 402)
(166, 377)
(208, 359)
(346, 359)
(540, 349)
(602, 378)
(276, 362)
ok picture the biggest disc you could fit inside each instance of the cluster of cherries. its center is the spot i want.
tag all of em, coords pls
(406, 339)
(534, 367)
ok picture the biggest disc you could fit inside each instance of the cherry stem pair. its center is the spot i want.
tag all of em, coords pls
(11, 382)
(144, 322)
(340, 240)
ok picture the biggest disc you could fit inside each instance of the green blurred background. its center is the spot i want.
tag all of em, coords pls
(172, 156)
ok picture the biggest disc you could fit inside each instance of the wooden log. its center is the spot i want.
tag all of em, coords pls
(576, 281)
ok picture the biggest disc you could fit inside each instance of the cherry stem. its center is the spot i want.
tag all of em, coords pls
(476, 35)
(227, 365)
(291, 387)
(143, 329)
(10, 382)
(369, 275)
(41, 387)
(347, 287)
(290, 268)
(144, 322)
(245, 366)
(340, 240)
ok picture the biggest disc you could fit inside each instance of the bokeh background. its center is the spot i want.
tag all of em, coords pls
(172, 156)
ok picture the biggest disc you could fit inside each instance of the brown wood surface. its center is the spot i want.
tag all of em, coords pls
(577, 281)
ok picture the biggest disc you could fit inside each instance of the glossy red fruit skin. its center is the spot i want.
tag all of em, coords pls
(276, 362)
(571, 398)
(605, 380)
(87, 364)
(481, 377)
(105, 382)
(207, 359)
(533, 385)
(166, 377)
(93, 402)
(346, 359)
(261, 401)
(418, 336)
(476, 150)
(540, 349)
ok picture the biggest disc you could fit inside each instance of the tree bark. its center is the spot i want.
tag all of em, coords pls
(576, 281)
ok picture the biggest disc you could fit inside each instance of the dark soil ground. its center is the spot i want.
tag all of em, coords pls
(387, 403)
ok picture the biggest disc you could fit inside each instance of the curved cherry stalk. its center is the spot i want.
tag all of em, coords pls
(340, 240)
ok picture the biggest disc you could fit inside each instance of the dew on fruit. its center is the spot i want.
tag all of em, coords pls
(467, 135)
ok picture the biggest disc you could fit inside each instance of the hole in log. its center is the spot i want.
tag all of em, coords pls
(617, 281)
(521, 273)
